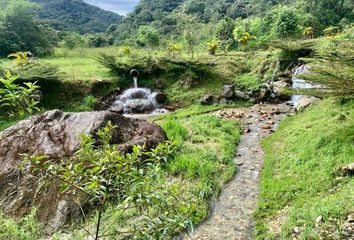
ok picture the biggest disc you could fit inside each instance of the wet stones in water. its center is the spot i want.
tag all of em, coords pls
(139, 94)
(140, 106)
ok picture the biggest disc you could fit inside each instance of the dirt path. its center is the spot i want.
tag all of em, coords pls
(232, 214)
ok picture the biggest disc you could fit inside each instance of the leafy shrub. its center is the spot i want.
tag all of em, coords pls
(148, 37)
(285, 22)
(224, 33)
(126, 50)
(245, 38)
(308, 32)
(224, 29)
(72, 41)
(192, 38)
(17, 100)
(331, 31)
(104, 174)
(258, 30)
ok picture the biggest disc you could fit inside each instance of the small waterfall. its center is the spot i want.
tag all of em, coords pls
(299, 83)
(135, 82)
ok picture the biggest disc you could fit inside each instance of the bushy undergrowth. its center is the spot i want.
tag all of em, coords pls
(23, 229)
(299, 181)
(17, 100)
(180, 193)
(103, 176)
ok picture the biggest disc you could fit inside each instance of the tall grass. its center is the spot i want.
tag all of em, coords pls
(300, 173)
(206, 152)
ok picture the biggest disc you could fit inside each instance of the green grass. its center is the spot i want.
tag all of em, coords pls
(5, 123)
(23, 229)
(247, 81)
(299, 178)
(79, 68)
(207, 149)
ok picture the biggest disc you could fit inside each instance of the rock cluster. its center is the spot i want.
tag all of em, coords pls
(228, 93)
(56, 134)
(266, 93)
(348, 229)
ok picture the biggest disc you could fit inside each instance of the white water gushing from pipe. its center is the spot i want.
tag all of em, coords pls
(135, 82)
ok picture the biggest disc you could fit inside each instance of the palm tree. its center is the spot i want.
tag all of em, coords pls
(21, 58)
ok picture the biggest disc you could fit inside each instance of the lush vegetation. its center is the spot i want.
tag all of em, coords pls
(173, 193)
(301, 179)
(20, 31)
(16, 100)
(69, 55)
(266, 20)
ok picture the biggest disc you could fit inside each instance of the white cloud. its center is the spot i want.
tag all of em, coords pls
(119, 6)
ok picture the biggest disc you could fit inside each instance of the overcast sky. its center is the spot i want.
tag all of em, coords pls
(119, 6)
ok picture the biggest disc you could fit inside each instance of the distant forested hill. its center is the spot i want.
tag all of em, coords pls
(76, 15)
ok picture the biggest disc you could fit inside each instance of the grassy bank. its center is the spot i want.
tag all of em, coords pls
(300, 180)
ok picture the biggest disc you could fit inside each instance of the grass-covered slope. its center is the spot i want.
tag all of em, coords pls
(300, 180)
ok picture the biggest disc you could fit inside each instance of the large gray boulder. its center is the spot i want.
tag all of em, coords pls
(304, 102)
(228, 91)
(56, 134)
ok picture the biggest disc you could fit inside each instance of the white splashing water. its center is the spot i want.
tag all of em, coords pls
(141, 100)
(299, 83)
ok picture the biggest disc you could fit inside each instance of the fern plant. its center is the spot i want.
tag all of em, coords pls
(333, 69)
(17, 100)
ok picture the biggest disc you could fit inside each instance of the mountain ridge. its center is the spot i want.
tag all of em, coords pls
(76, 15)
(122, 7)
